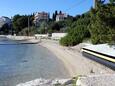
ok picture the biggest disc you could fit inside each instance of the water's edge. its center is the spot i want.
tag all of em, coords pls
(28, 62)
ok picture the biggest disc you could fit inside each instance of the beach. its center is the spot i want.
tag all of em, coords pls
(74, 63)
(65, 63)
(73, 59)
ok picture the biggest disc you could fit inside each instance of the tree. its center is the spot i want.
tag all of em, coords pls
(60, 12)
(24, 32)
(15, 24)
(43, 28)
(55, 27)
(69, 20)
(21, 21)
(112, 1)
(56, 12)
(5, 29)
(102, 27)
(98, 3)
(77, 32)
(54, 15)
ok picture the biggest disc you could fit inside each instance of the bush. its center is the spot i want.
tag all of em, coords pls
(77, 32)
(25, 32)
(102, 27)
(74, 37)
(66, 41)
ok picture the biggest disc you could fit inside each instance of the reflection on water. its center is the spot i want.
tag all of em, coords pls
(21, 63)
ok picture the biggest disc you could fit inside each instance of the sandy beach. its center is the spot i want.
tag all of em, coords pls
(73, 60)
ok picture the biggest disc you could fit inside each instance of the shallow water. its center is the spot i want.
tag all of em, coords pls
(21, 63)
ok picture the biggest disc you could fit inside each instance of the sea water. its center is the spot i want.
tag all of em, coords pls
(24, 62)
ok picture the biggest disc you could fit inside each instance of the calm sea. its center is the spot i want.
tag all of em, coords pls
(25, 62)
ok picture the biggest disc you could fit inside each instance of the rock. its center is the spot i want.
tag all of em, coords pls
(44, 82)
(96, 80)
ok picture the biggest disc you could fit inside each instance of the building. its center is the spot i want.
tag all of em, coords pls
(60, 17)
(40, 17)
(58, 36)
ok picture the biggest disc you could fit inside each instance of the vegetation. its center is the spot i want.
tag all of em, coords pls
(77, 32)
(21, 21)
(20, 25)
(42, 29)
(112, 1)
(28, 31)
(5, 29)
(54, 15)
(102, 27)
(98, 23)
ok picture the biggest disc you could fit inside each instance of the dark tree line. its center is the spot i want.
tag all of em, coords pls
(6, 29)
(22, 21)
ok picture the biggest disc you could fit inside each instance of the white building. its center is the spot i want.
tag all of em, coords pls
(61, 17)
(57, 36)
(40, 16)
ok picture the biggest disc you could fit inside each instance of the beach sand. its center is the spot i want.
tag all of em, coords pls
(75, 63)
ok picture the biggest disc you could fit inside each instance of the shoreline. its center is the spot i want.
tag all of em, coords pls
(71, 57)
(75, 63)
(58, 54)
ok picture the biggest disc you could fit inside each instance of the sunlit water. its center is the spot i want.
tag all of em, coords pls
(21, 63)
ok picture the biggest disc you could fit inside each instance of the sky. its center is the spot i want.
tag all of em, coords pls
(72, 7)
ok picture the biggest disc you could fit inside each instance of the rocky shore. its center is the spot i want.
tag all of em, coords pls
(44, 82)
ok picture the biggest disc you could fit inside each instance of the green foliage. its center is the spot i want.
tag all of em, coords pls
(69, 20)
(54, 15)
(98, 23)
(102, 27)
(21, 22)
(54, 27)
(43, 28)
(77, 32)
(75, 36)
(41, 31)
(50, 31)
(112, 1)
(5, 29)
(28, 31)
